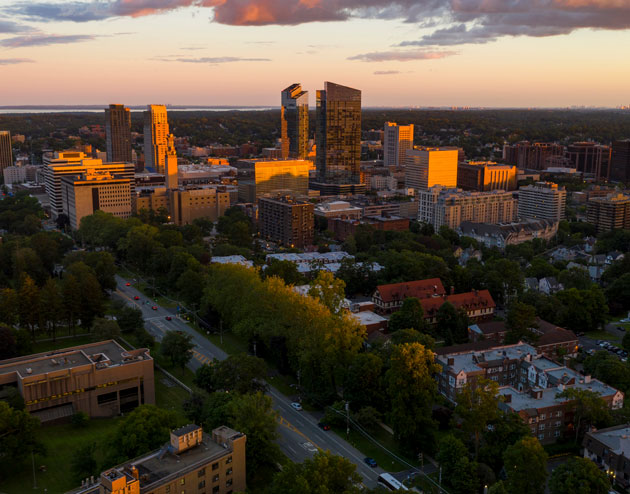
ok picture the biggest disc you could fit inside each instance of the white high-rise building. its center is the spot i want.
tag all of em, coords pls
(544, 200)
(398, 139)
(155, 137)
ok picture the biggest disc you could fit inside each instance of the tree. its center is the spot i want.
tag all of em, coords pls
(324, 473)
(625, 342)
(144, 429)
(177, 347)
(498, 488)
(28, 304)
(581, 310)
(190, 287)
(9, 303)
(241, 373)
(465, 479)
(329, 290)
(254, 416)
(521, 318)
(8, 346)
(368, 417)
(412, 391)
(477, 406)
(505, 431)
(452, 324)
(412, 336)
(105, 329)
(18, 434)
(575, 278)
(286, 270)
(129, 318)
(362, 384)
(589, 409)
(450, 449)
(618, 294)
(578, 476)
(83, 463)
(51, 305)
(410, 316)
(71, 296)
(526, 467)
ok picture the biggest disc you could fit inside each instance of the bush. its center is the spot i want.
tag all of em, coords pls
(80, 419)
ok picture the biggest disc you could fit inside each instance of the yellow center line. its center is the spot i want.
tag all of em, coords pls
(285, 423)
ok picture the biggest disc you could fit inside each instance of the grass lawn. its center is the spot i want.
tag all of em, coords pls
(170, 396)
(602, 335)
(60, 441)
(230, 345)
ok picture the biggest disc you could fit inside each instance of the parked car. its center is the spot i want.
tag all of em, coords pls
(324, 426)
(296, 406)
(370, 462)
(621, 328)
(154, 307)
(168, 318)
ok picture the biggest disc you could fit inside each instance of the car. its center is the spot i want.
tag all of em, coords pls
(168, 318)
(127, 284)
(136, 298)
(154, 307)
(621, 328)
(370, 462)
(324, 426)
(296, 406)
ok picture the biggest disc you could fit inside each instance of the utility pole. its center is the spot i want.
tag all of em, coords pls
(347, 419)
(221, 330)
(34, 478)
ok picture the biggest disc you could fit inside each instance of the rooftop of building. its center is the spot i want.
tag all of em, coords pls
(367, 318)
(468, 360)
(336, 206)
(488, 328)
(616, 439)
(326, 257)
(236, 259)
(525, 225)
(103, 354)
(477, 299)
(418, 289)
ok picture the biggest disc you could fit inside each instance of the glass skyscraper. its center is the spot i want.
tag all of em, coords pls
(294, 122)
(338, 134)
(118, 133)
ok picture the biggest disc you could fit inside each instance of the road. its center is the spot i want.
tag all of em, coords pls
(299, 434)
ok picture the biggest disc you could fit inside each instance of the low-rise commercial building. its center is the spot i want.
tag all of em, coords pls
(342, 228)
(426, 167)
(192, 462)
(101, 379)
(484, 176)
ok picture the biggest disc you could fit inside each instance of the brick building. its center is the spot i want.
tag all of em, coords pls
(342, 228)
(389, 298)
(478, 305)
(287, 221)
(610, 450)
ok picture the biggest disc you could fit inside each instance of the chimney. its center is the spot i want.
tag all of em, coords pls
(134, 472)
(508, 398)
(587, 379)
(451, 361)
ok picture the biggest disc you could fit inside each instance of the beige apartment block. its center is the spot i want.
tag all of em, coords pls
(398, 139)
(156, 133)
(426, 167)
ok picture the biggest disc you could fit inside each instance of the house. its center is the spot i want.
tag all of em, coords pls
(468, 254)
(614, 257)
(531, 284)
(598, 259)
(589, 244)
(549, 285)
(488, 331)
(389, 298)
(610, 450)
(478, 305)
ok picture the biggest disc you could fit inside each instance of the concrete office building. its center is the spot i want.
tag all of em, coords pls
(6, 149)
(118, 133)
(101, 379)
(263, 177)
(20, 174)
(590, 159)
(338, 136)
(609, 213)
(484, 176)
(543, 200)
(294, 122)
(76, 163)
(155, 137)
(398, 139)
(426, 167)
(441, 206)
(286, 221)
(83, 194)
(527, 156)
(192, 462)
(620, 161)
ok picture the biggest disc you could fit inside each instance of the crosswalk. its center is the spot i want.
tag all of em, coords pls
(201, 358)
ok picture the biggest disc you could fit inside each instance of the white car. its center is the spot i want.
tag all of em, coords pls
(296, 406)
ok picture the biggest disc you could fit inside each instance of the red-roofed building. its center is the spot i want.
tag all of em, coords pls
(389, 298)
(478, 304)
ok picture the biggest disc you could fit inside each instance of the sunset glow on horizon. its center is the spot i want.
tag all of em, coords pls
(543, 53)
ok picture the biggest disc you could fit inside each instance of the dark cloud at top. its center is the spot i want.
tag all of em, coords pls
(10, 27)
(459, 21)
(15, 61)
(41, 39)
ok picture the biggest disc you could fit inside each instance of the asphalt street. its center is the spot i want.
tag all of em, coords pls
(299, 435)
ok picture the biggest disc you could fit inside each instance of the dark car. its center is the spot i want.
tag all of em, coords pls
(621, 328)
(169, 318)
(136, 298)
(324, 426)
(154, 307)
(370, 462)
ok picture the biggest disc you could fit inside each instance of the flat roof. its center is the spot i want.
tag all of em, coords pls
(464, 361)
(617, 439)
(109, 352)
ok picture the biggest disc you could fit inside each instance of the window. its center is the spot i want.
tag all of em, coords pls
(541, 427)
(215, 466)
(228, 483)
(228, 471)
(556, 433)
(182, 481)
(215, 489)
(541, 437)
(202, 484)
(215, 478)
(107, 398)
(559, 413)
(201, 472)
(543, 416)
(229, 460)
(558, 423)
(168, 489)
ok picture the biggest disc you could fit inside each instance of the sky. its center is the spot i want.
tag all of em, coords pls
(400, 53)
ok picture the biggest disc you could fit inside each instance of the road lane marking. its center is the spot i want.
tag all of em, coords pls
(285, 423)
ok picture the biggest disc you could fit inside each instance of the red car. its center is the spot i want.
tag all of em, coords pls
(169, 318)
(128, 284)
(154, 307)
(136, 298)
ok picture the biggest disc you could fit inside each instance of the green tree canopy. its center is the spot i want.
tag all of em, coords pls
(177, 347)
(526, 467)
(578, 476)
(410, 316)
(477, 406)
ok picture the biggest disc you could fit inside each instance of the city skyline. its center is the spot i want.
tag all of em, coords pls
(400, 53)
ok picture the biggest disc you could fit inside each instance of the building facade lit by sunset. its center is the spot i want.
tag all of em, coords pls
(338, 134)
(294, 122)
(6, 151)
(426, 167)
(398, 139)
(155, 137)
(485, 176)
(273, 176)
(118, 133)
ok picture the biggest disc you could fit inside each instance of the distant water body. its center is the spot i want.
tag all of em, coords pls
(99, 109)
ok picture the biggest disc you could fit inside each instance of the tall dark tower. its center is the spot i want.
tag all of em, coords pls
(294, 122)
(620, 161)
(118, 133)
(338, 134)
(6, 151)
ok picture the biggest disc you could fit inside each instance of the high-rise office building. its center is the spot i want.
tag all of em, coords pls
(287, 221)
(338, 135)
(609, 213)
(589, 158)
(171, 176)
(397, 140)
(485, 176)
(620, 161)
(118, 133)
(6, 151)
(294, 122)
(272, 177)
(544, 200)
(75, 163)
(155, 137)
(426, 167)
(528, 156)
